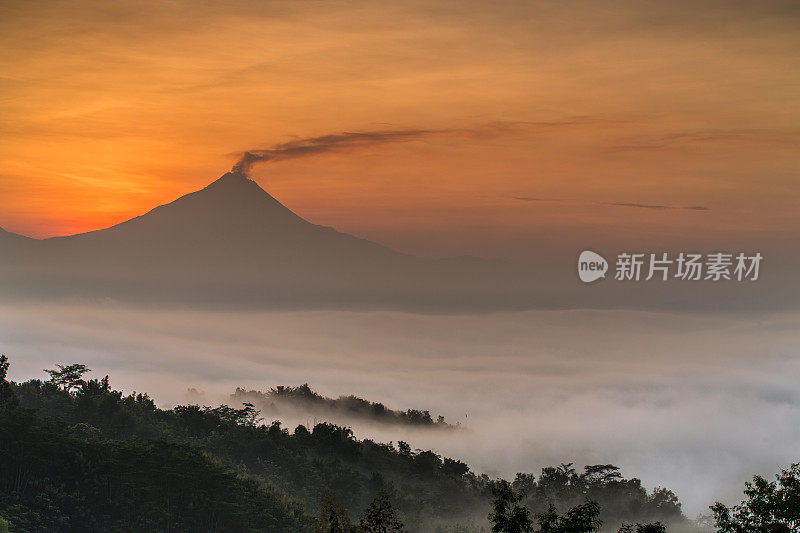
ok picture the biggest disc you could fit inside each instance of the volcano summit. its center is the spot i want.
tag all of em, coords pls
(231, 244)
(228, 243)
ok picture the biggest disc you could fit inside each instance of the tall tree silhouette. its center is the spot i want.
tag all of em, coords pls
(579, 519)
(69, 377)
(380, 516)
(8, 400)
(333, 518)
(507, 515)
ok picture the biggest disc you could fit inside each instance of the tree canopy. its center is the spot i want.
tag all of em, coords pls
(77, 455)
(770, 507)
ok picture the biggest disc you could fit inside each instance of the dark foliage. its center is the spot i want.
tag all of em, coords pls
(507, 515)
(302, 397)
(69, 377)
(770, 507)
(620, 500)
(89, 458)
(59, 478)
(582, 518)
(333, 518)
(8, 400)
(655, 527)
(380, 516)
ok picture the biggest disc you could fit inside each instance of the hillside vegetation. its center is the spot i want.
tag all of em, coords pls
(77, 455)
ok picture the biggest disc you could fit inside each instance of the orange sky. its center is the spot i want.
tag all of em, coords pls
(108, 109)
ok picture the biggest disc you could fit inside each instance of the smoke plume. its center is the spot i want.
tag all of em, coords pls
(325, 143)
(350, 140)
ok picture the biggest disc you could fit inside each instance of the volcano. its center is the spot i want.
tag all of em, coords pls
(228, 242)
(231, 244)
(230, 225)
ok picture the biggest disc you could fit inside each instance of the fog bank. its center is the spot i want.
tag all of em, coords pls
(691, 402)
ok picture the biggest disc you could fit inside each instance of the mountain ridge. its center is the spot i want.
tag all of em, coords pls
(232, 244)
(229, 241)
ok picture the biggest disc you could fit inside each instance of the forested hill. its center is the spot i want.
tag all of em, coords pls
(78, 455)
(303, 401)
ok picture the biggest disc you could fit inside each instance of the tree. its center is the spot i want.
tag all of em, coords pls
(333, 518)
(249, 415)
(507, 515)
(771, 506)
(601, 474)
(454, 467)
(404, 448)
(548, 520)
(579, 519)
(69, 377)
(655, 527)
(380, 516)
(8, 400)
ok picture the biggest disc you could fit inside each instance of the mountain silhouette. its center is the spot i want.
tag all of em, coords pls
(230, 242)
(231, 211)
(233, 244)
(231, 224)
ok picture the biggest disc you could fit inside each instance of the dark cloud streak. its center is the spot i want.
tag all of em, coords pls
(534, 199)
(686, 139)
(643, 206)
(351, 140)
(657, 207)
(326, 143)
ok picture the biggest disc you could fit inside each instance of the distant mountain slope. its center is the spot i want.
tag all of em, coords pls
(231, 244)
(233, 213)
(6, 237)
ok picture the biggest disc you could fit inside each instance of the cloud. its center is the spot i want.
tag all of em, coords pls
(643, 206)
(661, 395)
(684, 139)
(579, 120)
(620, 204)
(656, 206)
(532, 199)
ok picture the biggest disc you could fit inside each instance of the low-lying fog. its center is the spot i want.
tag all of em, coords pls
(694, 403)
